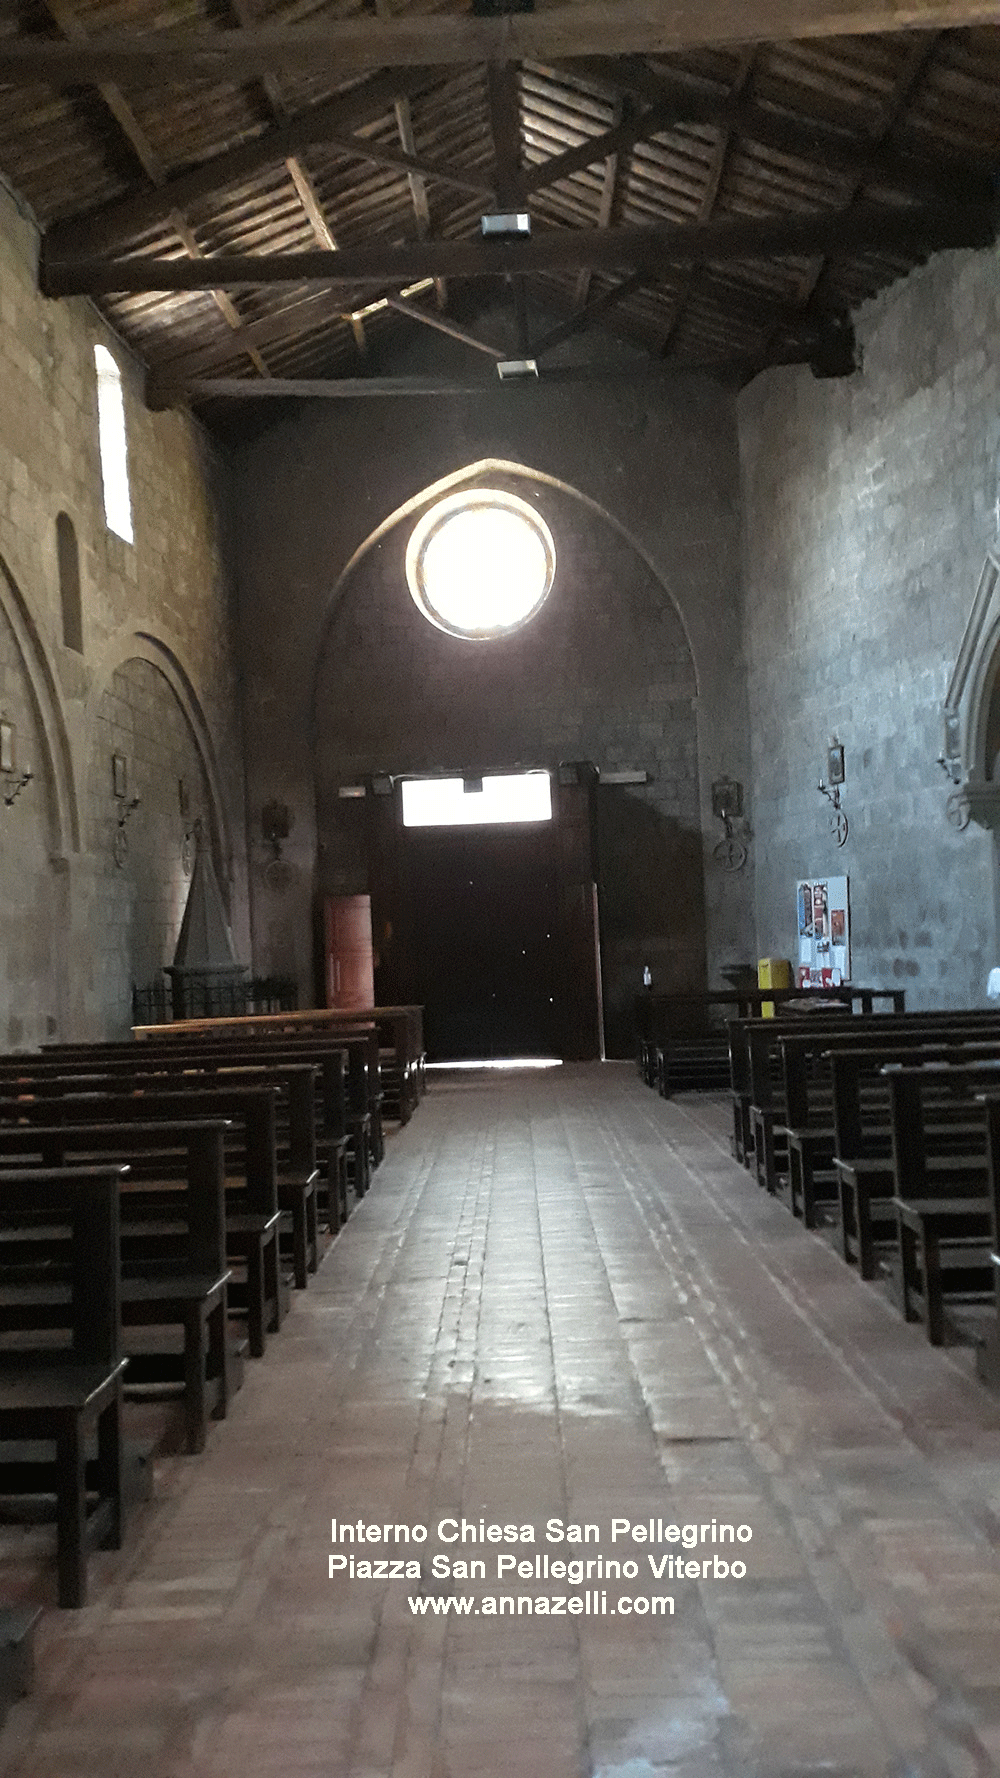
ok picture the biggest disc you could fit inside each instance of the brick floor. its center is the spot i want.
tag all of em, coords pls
(561, 1300)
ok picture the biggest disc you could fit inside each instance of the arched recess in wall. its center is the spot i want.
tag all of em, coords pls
(604, 672)
(58, 774)
(481, 473)
(159, 652)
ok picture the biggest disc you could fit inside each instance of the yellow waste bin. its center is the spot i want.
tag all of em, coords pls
(772, 972)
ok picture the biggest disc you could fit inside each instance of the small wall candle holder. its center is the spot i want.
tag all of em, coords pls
(14, 781)
(835, 772)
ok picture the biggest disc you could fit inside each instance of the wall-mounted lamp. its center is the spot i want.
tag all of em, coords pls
(727, 807)
(836, 773)
(14, 781)
(276, 823)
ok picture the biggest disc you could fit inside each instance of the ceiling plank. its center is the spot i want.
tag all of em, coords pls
(134, 214)
(596, 27)
(947, 176)
(63, 15)
(709, 199)
(621, 137)
(609, 198)
(867, 227)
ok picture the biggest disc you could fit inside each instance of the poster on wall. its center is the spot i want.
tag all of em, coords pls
(824, 925)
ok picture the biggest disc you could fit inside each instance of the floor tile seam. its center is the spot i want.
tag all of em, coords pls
(874, 1387)
(929, 1443)
(427, 1490)
(892, 1597)
(583, 1716)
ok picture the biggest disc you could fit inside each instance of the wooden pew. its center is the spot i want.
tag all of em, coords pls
(291, 1156)
(941, 1198)
(863, 1147)
(172, 1246)
(252, 1212)
(758, 1084)
(64, 1396)
(346, 1062)
(315, 1021)
(988, 1349)
(684, 1040)
(809, 1131)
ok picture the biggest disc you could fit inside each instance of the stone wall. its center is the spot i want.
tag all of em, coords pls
(868, 509)
(65, 956)
(642, 483)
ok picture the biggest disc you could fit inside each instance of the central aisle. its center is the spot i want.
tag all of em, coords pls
(561, 1300)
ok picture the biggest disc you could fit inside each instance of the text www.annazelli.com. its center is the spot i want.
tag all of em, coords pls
(589, 1604)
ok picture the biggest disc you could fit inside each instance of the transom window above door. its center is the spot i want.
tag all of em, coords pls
(477, 802)
(479, 564)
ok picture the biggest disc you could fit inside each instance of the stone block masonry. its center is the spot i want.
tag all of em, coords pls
(868, 509)
(69, 944)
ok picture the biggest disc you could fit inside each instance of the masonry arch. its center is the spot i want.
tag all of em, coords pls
(159, 651)
(602, 674)
(58, 773)
(523, 478)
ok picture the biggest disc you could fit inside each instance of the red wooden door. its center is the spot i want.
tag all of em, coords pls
(347, 942)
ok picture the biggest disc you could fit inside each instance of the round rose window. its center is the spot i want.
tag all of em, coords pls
(480, 563)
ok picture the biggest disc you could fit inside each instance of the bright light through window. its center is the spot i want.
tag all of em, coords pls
(444, 802)
(480, 563)
(111, 437)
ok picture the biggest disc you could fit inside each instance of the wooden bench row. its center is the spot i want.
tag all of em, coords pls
(887, 1131)
(155, 1185)
(683, 1039)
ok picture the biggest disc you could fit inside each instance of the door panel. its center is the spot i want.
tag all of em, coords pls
(483, 908)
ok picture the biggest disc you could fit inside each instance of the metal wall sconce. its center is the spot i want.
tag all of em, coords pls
(727, 807)
(276, 822)
(14, 781)
(836, 773)
(126, 811)
(126, 806)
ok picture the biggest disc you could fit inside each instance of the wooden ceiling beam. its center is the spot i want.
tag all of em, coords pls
(609, 199)
(946, 177)
(586, 316)
(595, 27)
(709, 199)
(440, 324)
(115, 102)
(503, 95)
(862, 227)
(623, 136)
(134, 215)
(914, 67)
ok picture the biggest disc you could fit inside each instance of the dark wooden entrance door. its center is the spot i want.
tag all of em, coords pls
(492, 929)
(483, 917)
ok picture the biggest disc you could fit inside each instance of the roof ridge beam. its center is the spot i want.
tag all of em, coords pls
(596, 27)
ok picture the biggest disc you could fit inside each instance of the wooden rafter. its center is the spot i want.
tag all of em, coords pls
(139, 212)
(441, 324)
(597, 27)
(503, 99)
(869, 227)
(709, 199)
(63, 16)
(910, 75)
(609, 199)
(592, 311)
(945, 177)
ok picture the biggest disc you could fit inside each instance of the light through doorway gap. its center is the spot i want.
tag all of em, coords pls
(499, 800)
